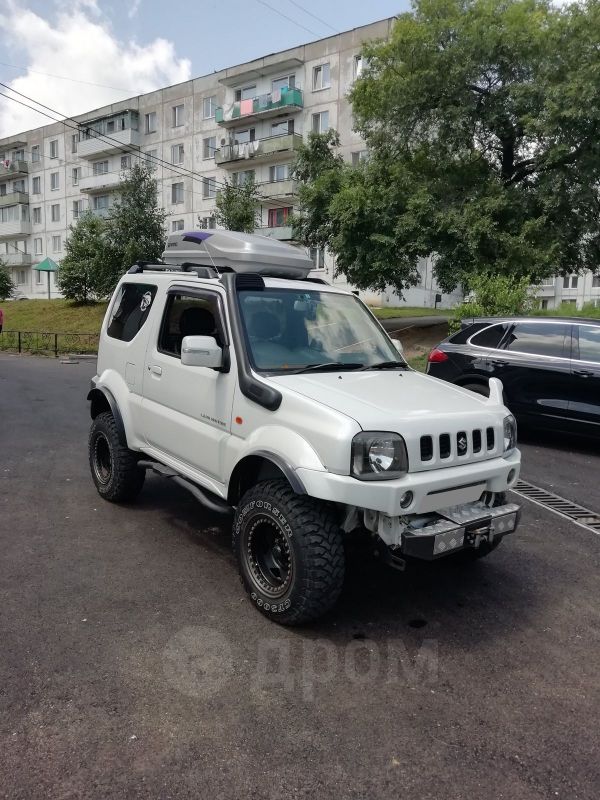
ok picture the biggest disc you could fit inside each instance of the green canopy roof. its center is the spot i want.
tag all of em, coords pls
(47, 265)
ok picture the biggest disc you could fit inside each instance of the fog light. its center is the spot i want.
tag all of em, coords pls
(511, 476)
(406, 499)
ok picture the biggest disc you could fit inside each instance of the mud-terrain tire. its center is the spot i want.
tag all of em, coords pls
(290, 552)
(114, 467)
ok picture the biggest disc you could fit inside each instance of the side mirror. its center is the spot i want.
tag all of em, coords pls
(398, 346)
(201, 351)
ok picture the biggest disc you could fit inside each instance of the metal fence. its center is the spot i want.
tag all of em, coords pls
(48, 343)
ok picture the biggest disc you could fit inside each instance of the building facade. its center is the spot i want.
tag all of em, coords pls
(244, 120)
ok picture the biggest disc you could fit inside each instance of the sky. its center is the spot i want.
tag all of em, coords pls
(77, 55)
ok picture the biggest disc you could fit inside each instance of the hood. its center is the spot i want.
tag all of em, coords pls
(378, 399)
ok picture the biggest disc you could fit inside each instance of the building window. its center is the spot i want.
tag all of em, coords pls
(35, 153)
(358, 156)
(37, 215)
(288, 82)
(570, 281)
(321, 78)
(177, 154)
(77, 208)
(320, 122)
(247, 93)
(177, 192)
(38, 275)
(150, 157)
(178, 116)
(208, 147)
(54, 184)
(54, 148)
(209, 188)
(56, 244)
(359, 65)
(209, 104)
(279, 217)
(317, 255)
(55, 213)
(74, 142)
(206, 223)
(18, 186)
(548, 282)
(76, 174)
(151, 122)
(101, 202)
(177, 225)
(100, 167)
(279, 172)
(596, 281)
(21, 280)
(36, 185)
(243, 177)
(37, 247)
(125, 162)
(282, 128)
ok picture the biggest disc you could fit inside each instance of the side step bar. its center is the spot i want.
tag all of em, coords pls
(211, 501)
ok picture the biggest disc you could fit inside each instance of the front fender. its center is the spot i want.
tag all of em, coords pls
(116, 392)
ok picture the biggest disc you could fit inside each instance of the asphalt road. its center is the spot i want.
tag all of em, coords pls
(132, 666)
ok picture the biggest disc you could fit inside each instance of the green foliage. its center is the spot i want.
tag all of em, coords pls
(136, 226)
(237, 206)
(496, 296)
(82, 270)
(482, 121)
(7, 287)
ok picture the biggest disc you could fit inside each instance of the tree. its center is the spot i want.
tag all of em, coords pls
(496, 296)
(237, 206)
(82, 270)
(482, 121)
(136, 226)
(7, 287)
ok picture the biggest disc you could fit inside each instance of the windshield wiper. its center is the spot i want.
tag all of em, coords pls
(327, 365)
(385, 365)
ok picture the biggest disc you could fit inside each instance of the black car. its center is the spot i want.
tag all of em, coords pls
(549, 366)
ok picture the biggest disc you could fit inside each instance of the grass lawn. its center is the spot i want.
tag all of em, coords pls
(52, 316)
(410, 311)
(418, 362)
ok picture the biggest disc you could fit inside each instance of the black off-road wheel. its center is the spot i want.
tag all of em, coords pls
(290, 552)
(114, 467)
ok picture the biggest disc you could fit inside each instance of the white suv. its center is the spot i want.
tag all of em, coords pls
(279, 398)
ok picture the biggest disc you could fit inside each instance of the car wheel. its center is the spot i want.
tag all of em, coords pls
(114, 467)
(290, 552)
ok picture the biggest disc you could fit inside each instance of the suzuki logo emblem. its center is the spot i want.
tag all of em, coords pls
(462, 445)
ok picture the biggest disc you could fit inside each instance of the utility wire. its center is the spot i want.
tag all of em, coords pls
(290, 19)
(64, 78)
(314, 16)
(187, 173)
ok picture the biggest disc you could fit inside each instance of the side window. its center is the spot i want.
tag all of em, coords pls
(589, 343)
(130, 310)
(541, 339)
(189, 315)
(489, 337)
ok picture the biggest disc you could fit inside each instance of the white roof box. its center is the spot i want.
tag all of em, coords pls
(240, 252)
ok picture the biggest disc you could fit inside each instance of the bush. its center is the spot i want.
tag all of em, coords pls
(496, 296)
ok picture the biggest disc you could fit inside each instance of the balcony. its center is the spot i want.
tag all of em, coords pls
(15, 228)
(107, 135)
(12, 198)
(274, 192)
(105, 182)
(17, 259)
(282, 233)
(100, 212)
(273, 148)
(260, 107)
(13, 169)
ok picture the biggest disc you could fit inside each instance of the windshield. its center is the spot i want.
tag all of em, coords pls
(289, 329)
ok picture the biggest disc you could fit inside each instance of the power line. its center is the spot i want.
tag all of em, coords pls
(314, 16)
(187, 173)
(285, 16)
(64, 78)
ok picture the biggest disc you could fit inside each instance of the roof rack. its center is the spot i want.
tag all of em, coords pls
(198, 269)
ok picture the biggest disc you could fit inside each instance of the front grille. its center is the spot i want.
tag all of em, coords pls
(459, 446)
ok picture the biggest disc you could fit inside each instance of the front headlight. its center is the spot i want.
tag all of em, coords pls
(378, 456)
(510, 433)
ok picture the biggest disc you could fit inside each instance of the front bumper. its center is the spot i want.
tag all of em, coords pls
(459, 529)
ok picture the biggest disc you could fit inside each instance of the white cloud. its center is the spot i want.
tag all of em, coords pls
(77, 43)
(134, 8)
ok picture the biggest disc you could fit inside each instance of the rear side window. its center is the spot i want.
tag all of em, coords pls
(540, 339)
(489, 337)
(130, 310)
(589, 343)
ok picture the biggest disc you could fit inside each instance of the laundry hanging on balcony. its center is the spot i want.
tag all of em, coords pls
(246, 107)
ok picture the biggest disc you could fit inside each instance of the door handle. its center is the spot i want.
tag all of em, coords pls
(583, 373)
(154, 369)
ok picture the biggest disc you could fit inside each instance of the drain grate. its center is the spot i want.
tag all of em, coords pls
(554, 502)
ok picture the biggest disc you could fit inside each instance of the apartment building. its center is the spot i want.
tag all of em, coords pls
(243, 121)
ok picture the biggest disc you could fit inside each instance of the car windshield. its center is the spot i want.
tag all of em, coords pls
(288, 330)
